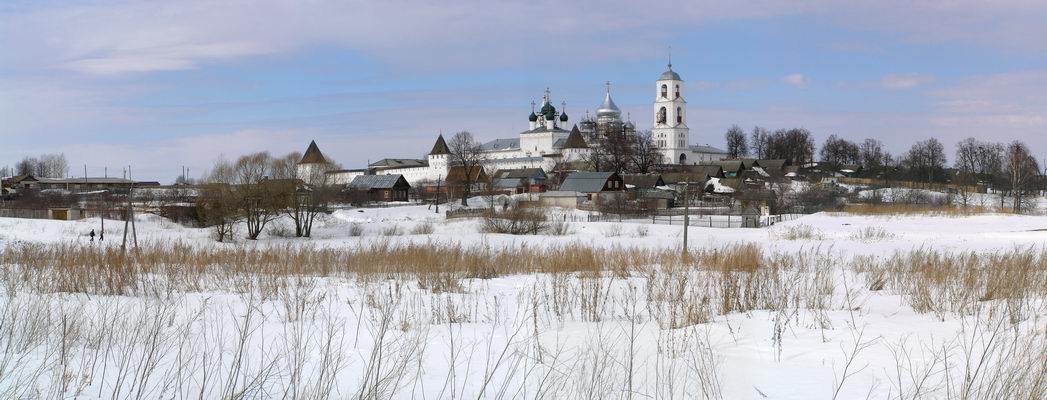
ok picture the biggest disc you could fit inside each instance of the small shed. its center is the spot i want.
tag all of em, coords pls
(560, 198)
(751, 218)
(63, 214)
(381, 187)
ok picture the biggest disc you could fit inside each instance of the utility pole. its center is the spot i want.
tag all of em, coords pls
(130, 216)
(438, 182)
(686, 214)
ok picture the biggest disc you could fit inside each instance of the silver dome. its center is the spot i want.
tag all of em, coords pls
(669, 74)
(608, 108)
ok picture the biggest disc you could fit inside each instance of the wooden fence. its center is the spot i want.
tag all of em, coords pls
(466, 213)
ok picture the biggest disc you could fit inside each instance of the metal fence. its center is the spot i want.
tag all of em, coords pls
(24, 213)
(707, 221)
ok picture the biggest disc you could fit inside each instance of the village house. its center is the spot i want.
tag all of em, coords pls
(522, 180)
(381, 188)
(596, 186)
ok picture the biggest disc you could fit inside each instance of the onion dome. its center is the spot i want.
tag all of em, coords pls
(563, 117)
(533, 117)
(548, 108)
(608, 108)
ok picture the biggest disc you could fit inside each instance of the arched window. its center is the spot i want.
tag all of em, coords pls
(661, 116)
(665, 91)
(679, 115)
(683, 158)
(677, 92)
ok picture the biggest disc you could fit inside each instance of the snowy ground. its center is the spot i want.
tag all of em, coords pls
(512, 336)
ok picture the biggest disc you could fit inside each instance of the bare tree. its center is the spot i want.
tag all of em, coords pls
(308, 191)
(737, 144)
(872, 155)
(54, 166)
(46, 166)
(286, 167)
(966, 164)
(795, 144)
(838, 151)
(645, 153)
(467, 154)
(926, 158)
(26, 166)
(260, 199)
(617, 150)
(1021, 169)
(758, 142)
(217, 205)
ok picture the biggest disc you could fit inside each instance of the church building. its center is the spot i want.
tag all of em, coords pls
(670, 131)
(547, 142)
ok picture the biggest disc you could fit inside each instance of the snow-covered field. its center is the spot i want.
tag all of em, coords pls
(833, 310)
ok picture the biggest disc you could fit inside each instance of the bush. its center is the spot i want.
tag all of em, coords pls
(641, 230)
(356, 229)
(516, 221)
(872, 234)
(281, 231)
(424, 228)
(613, 230)
(559, 228)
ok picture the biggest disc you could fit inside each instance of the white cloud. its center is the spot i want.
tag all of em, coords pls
(117, 37)
(798, 80)
(905, 81)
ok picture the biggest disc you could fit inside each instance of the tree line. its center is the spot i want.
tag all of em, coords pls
(257, 188)
(51, 165)
(1007, 168)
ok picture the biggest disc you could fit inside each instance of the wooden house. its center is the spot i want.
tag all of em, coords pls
(381, 188)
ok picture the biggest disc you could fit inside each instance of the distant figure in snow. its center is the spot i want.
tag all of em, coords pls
(92, 235)
(101, 236)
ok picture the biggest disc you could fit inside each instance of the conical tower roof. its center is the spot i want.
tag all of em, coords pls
(313, 155)
(440, 148)
(575, 140)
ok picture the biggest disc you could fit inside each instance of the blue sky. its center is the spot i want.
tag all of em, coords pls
(159, 85)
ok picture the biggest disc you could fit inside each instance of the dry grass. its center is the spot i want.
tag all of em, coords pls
(392, 230)
(941, 283)
(799, 232)
(423, 228)
(872, 234)
(356, 229)
(889, 209)
(203, 350)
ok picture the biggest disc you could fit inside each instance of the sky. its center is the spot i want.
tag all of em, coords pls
(158, 85)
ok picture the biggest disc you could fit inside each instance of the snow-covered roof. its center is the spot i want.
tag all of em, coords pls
(717, 186)
(501, 144)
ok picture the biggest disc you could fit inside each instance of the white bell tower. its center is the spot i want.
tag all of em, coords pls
(670, 130)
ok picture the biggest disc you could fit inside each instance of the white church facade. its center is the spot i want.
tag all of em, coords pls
(548, 143)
